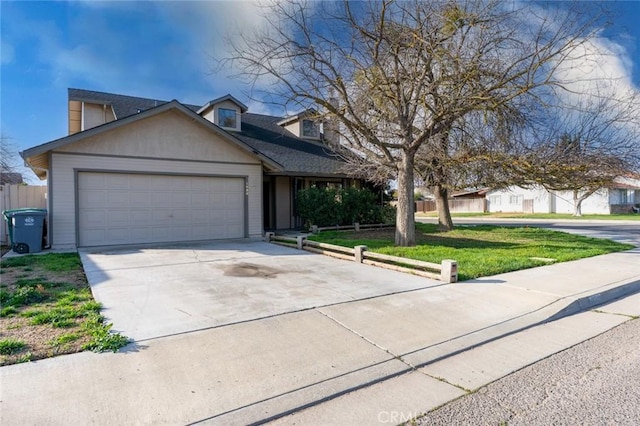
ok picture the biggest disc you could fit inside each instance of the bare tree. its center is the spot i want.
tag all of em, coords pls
(583, 150)
(7, 155)
(397, 81)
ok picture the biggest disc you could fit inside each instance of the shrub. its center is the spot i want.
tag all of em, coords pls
(330, 206)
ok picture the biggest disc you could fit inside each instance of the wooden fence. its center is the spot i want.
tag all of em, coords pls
(446, 271)
(20, 197)
(356, 227)
(456, 205)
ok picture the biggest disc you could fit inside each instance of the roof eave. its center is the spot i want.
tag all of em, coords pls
(49, 146)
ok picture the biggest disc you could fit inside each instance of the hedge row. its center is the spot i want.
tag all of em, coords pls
(342, 206)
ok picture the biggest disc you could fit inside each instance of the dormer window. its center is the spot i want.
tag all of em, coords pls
(309, 129)
(303, 125)
(225, 112)
(227, 118)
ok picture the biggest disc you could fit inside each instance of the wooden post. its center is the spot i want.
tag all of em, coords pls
(359, 250)
(357, 226)
(449, 273)
(314, 229)
(300, 241)
(268, 236)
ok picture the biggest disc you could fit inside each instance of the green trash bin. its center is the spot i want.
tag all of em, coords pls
(27, 229)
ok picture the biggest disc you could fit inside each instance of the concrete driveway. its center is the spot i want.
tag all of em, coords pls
(155, 292)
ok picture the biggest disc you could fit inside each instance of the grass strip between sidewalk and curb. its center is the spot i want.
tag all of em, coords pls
(48, 310)
(480, 250)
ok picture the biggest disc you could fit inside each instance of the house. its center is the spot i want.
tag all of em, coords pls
(135, 170)
(620, 198)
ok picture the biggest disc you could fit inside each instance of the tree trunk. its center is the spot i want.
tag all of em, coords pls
(577, 204)
(405, 215)
(445, 223)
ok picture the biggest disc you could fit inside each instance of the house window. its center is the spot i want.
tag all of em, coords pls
(623, 196)
(309, 129)
(516, 199)
(495, 199)
(227, 118)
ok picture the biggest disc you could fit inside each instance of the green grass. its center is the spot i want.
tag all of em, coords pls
(625, 216)
(46, 302)
(483, 250)
(61, 314)
(11, 346)
(64, 340)
(57, 262)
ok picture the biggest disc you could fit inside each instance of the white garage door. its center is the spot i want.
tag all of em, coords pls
(119, 208)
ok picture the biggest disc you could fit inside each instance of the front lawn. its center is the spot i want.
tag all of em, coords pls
(48, 309)
(480, 250)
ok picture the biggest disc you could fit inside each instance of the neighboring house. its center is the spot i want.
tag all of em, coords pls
(621, 197)
(135, 170)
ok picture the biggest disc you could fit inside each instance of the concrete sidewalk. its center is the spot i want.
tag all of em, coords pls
(395, 346)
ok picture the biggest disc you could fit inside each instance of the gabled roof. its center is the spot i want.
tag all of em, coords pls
(282, 151)
(623, 185)
(291, 118)
(479, 192)
(123, 106)
(243, 107)
(37, 156)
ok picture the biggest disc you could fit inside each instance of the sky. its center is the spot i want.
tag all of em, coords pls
(160, 50)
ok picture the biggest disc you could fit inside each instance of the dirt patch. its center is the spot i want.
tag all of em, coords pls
(251, 270)
(41, 340)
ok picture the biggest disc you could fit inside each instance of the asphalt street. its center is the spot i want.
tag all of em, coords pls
(621, 231)
(592, 383)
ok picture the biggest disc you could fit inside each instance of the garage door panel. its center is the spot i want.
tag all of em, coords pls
(92, 199)
(118, 208)
(94, 181)
(118, 198)
(118, 235)
(116, 181)
(143, 235)
(199, 216)
(200, 184)
(95, 234)
(139, 199)
(138, 218)
(93, 218)
(181, 198)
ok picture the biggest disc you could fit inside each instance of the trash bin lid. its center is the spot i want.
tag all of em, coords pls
(16, 212)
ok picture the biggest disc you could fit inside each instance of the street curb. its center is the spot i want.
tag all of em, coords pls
(560, 308)
(588, 302)
(278, 407)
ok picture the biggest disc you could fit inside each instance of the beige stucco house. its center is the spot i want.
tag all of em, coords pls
(136, 170)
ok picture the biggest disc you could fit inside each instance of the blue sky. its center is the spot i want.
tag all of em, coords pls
(155, 49)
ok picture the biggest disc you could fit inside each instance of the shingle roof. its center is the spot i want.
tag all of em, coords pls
(123, 106)
(298, 156)
(261, 132)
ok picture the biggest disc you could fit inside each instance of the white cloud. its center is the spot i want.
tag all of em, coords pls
(6, 52)
(599, 67)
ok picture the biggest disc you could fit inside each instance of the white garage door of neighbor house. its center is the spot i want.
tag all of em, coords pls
(119, 208)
